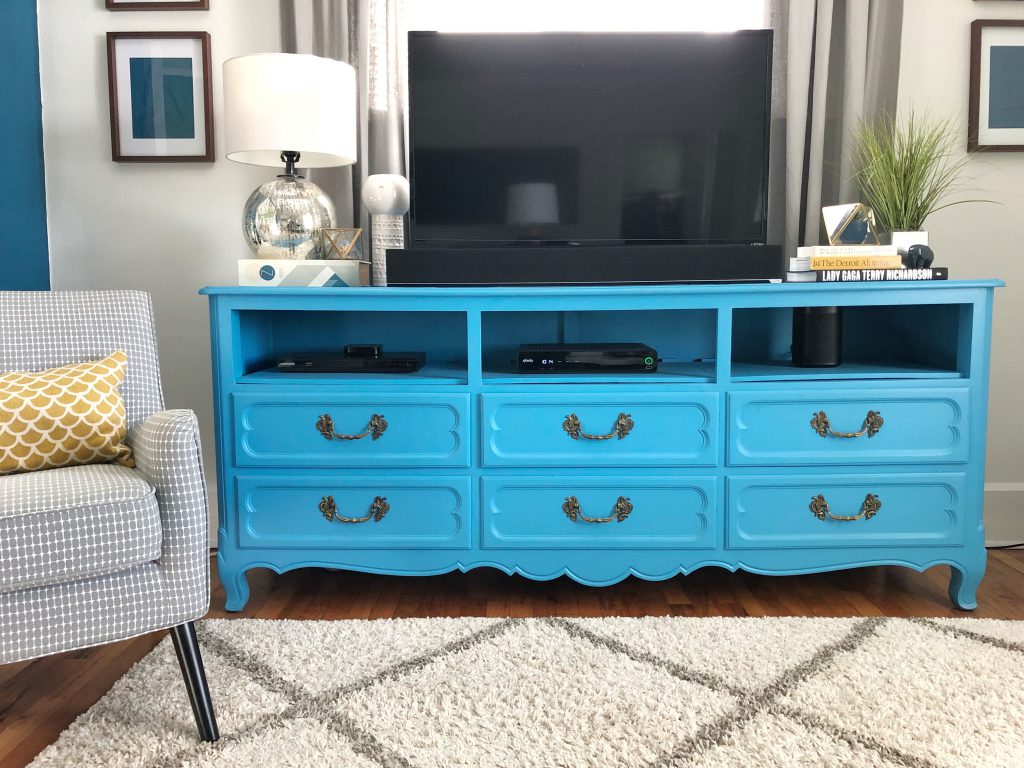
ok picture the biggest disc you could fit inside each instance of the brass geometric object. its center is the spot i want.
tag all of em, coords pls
(623, 426)
(620, 511)
(850, 224)
(342, 243)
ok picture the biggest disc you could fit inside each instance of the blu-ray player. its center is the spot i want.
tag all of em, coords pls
(395, 362)
(590, 358)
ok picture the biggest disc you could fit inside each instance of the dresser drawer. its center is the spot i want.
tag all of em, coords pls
(321, 512)
(656, 513)
(290, 430)
(600, 430)
(881, 426)
(800, 511)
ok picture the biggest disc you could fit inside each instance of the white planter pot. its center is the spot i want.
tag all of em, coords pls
(903, 240)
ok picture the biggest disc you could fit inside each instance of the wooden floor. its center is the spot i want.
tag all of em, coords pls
(38, 699)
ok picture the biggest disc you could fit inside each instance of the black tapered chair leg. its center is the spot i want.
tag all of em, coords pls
(186, 646)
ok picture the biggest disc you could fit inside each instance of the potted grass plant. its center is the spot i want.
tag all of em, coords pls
(907, 170)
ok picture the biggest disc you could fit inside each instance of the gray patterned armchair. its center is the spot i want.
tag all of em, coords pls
(99, 553)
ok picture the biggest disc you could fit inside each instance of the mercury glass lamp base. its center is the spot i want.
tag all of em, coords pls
(283, 219)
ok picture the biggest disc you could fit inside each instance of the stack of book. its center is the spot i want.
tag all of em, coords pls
(855, 264)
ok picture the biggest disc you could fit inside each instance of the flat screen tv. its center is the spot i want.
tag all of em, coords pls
(589, 139)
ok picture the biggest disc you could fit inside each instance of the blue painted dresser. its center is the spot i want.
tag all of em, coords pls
(727, 455)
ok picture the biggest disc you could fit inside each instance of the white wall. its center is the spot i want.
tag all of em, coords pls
(978, 240)
(167, 228)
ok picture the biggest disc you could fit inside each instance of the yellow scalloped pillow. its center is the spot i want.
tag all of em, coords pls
(64, 416)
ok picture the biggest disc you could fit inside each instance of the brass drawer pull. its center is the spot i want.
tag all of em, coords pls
(378, 508)
(620, 511)
(325, 426)
(623, 426)
(872, 423)
(868, 509)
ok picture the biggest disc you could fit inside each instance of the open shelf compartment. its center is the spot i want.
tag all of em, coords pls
(685, 341)
(266, 335)
(910, 341)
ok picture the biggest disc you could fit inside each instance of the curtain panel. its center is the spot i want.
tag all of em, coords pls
(835, 63)
(369, 35)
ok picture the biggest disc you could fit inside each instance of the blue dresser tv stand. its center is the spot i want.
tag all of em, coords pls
(727, 455)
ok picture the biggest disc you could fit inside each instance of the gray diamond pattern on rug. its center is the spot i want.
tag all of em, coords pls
(560, 693)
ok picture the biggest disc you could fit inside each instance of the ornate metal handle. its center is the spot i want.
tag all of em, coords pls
(378, 508)
(623, 426)
(868, 509)
(872, 423)
(325, 426)
(620, 511)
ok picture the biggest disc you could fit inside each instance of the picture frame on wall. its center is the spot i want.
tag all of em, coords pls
(158, 5)
(161, 108)
(995, 120)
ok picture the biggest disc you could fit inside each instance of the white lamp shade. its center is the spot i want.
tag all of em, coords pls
(277, 102)
(534, 202)
(386, 194)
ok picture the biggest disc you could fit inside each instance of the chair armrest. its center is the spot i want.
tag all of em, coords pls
(166, 449)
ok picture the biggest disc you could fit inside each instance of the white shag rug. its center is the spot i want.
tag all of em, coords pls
(428, 693)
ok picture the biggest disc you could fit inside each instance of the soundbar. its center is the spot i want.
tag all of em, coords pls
(584, 265)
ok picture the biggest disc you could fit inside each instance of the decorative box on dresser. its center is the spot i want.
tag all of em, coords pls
(728, 455)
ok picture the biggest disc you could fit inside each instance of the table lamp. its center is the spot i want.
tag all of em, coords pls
(293, 110)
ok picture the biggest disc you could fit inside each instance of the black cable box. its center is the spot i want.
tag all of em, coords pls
(590, 358)
(394, 362)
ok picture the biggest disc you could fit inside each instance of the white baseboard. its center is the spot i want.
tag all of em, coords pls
(1004, 514)
(1002, 487)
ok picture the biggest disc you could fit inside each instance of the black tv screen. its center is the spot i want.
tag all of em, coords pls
(589, 138)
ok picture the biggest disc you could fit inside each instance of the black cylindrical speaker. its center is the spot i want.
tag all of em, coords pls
(817, 337)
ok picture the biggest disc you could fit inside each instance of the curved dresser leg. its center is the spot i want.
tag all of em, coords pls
(236, 585)
(963, 585)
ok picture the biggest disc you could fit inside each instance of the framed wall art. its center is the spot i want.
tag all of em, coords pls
(160, 104)
(996, 111)
(158, 5)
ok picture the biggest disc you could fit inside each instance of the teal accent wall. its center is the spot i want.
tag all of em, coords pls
(24, 256)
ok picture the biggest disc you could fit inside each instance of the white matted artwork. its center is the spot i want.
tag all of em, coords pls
(160, 103)
(996, 110)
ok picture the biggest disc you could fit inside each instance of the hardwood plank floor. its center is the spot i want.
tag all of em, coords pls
(40, 698)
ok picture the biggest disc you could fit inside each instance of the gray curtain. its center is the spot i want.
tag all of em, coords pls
(835, 62)
(369, 35)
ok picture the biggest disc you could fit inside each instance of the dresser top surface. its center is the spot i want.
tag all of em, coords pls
(717, 289)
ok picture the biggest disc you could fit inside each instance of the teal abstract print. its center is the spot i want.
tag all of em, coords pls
(162, 101)
(1006, 86)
